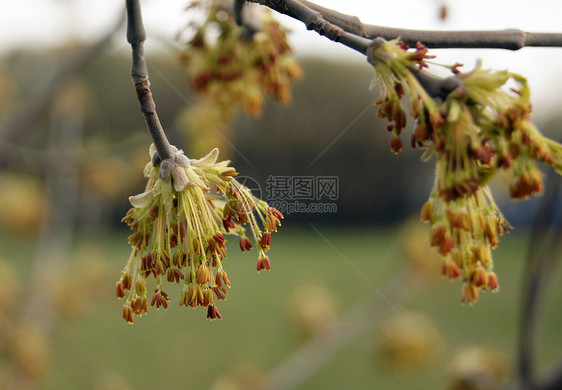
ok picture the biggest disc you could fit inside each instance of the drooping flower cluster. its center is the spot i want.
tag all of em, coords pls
(474, 126)
(178, 227)
(228, 64)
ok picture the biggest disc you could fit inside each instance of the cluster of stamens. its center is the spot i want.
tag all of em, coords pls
(474, 127)
(239, 66)
(178, 229)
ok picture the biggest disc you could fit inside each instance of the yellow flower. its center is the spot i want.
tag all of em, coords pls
(178, 226)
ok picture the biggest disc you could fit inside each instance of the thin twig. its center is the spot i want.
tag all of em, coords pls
(511, 39)
(139, 74)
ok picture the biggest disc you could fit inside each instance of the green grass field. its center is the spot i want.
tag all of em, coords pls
(179, 349)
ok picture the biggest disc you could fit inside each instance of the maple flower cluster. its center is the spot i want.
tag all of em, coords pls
(178, 226)
(475, 127)
(228, 63)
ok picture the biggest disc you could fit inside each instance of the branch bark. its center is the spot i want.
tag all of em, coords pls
(314, 20)
(511, 39)
(435, 86)
(139, 74)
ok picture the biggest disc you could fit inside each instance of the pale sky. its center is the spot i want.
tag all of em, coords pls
(49, 22)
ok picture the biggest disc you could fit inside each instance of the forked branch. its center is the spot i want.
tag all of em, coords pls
(511, 39)
(314, 20)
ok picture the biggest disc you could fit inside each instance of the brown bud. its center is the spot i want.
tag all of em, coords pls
(229, 174)
(480, 277)
(183, 298)
(160, 268)
(265, 241)
(128, 314)
(213, 313)
(493, 281)
(208, 297)
(225, 278)
(128, 218)
(203, 275)
(228, 223)
(177, 259)
(447, 245)
(395, 144)
(219, 238)
(438, 235)
(469, 293)
(399, 90)
(450, 269)
(263, 263)
(126, 281)
(196, 245)
(219, 293)
(173, 241)
(275, 212)
(140, 287)
(119, 290)
(245, 244)
(192, 296)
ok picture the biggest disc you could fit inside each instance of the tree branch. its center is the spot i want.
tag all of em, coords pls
(313, 20)
(553, 378)
(139, 74)
(511, 39)
(435, 86)
(543, 251)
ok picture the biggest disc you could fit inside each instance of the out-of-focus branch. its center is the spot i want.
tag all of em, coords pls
(56, 233)
(34, 109)
(553, 379)
(139, 74)
(511, 39)
(544, 250)
(324, 346)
